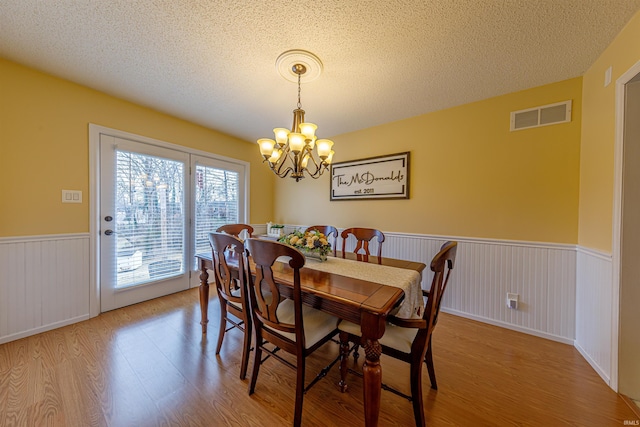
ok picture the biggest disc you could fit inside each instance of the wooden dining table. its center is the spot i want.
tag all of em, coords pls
(359, 301)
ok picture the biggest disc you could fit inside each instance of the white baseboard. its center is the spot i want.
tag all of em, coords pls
(44, 328)
(510, 326)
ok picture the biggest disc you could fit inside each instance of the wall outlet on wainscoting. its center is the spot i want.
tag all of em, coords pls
(512, 301)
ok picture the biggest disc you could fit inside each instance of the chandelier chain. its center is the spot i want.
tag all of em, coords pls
(299, 103)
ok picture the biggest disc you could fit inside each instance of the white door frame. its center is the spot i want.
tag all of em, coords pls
(617, 218)
(94, 199)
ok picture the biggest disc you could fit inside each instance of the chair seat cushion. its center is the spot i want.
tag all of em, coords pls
(317, 324)
(394, 336)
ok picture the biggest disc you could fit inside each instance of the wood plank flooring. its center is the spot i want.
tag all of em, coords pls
(148, 365)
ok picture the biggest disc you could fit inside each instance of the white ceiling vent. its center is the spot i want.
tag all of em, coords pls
(541, 116)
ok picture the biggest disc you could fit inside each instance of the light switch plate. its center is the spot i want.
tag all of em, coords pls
(71, 196)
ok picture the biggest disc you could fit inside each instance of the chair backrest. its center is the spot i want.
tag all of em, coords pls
(235, 229)
(264, 295)
(363, 237)
(227, 284)
(441, 265)
(328, 231)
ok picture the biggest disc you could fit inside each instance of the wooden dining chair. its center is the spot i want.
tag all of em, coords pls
(327, 230)
(232, 293)
(236, 229)
(286, 324)
(363, 237)
(408, 340)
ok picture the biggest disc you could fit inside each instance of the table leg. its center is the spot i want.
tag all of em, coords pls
(372, 387)
(204, 297)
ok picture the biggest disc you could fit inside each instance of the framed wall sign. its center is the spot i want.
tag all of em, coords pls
(384, 177)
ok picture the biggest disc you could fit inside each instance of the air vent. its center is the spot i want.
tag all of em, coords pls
(541, 116)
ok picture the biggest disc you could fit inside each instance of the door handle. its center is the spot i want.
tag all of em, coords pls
(108, 232)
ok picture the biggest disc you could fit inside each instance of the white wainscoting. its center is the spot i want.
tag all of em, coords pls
(542, 274)
(565, 292)
(594, 317)
(44, 283)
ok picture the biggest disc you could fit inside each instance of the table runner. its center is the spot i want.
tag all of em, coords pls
(405, 279)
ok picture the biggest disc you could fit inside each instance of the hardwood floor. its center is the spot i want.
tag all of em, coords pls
(148, 365)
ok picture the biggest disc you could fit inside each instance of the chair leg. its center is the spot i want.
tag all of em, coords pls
(416, 392)
(428, 359)
(246, 347)
(223, 324)
(356, 354)
(297, 414)
(257, 355)
(344, 359)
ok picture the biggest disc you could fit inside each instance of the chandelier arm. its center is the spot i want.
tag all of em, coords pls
(320, 169)
(282, 160)
(286, 172)
(281, 173)
(317, 165)
(316, 175)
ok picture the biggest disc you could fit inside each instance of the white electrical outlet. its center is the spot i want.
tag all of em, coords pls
(512, 301)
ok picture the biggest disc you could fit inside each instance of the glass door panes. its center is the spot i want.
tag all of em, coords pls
(150, 218)
(217, 193)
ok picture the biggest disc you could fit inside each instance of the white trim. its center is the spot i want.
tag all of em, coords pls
(488, 241)
(49, 327)
(594, 253)
(94, 219)
(510, 326)
(42, 238)
(617, 216)
(606, 378)
(98, 129)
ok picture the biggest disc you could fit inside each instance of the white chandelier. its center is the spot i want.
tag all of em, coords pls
(292, 152)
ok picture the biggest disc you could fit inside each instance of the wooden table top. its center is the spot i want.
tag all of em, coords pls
(341, 295)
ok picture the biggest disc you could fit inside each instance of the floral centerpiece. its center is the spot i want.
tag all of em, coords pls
(311, 243)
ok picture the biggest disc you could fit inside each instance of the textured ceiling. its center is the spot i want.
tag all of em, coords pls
(213, 61)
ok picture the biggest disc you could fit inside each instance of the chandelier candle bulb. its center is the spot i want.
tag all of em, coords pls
(324, 147)
(308, 130)
(266, 146)
(275, 156)
(329, 158)
(296, 142)
(282, 134)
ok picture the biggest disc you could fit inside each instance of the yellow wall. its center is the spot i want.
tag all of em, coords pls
(598, 140)
(44, 149)
(469, 175)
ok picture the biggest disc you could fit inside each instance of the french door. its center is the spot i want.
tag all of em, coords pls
(157, 204)
(144, 212)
